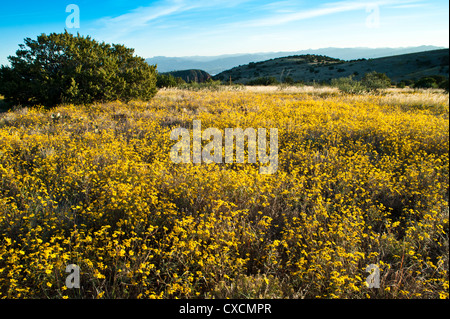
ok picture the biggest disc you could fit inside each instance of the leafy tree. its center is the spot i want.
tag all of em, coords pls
(63, 68)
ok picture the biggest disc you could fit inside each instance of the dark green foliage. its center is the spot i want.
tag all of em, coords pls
(409, 82)
(438, 78)
(374, 81)
(432, 82)
(269, 80)
(444, 85)
(426, 83)
(210, 84)
(289, 80)
(168, 81)
(190, 76)
(63, 68)
(349, 85)
(401, 85)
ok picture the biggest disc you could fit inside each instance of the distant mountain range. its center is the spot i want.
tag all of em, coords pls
(217, 64)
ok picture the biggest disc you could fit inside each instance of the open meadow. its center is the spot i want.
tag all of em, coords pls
(361, 180)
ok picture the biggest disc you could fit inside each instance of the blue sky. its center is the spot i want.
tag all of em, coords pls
(214, 27)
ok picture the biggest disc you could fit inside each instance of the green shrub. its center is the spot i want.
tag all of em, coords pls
(438, 78)
(401, 85)
(289, 80)
(409, 82)
(426, 83)
(444, 85)
(268, 80)
(348, 85)
(63, 68)
(168, 81)
(374, 81)
(209, 85)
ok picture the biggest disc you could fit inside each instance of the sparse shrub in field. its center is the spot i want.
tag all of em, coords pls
(374, 81)
(289, 80)
(433, 82)
(409, 82)
(426, 83)
(444, 85)
(268, 80)
(401, 85)
(348, 85)
(210, 84)
(168, 81)
(63, 68)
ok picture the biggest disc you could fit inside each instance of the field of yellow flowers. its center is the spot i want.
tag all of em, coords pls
(361, 180)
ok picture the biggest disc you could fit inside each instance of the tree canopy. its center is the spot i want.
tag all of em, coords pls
(63, 68)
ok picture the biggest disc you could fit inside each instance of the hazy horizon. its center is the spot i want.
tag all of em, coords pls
(292, 51)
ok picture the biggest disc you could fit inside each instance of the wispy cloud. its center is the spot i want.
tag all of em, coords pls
(327, 9)
(408, 6)
(142, 17)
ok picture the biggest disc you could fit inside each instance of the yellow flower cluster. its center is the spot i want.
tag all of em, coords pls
(360, 181)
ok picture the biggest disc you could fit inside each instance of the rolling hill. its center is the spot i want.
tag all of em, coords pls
(309, 68)
(188, 76)
(216, 64)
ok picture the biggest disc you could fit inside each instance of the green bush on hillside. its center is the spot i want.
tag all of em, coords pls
(63, 68)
